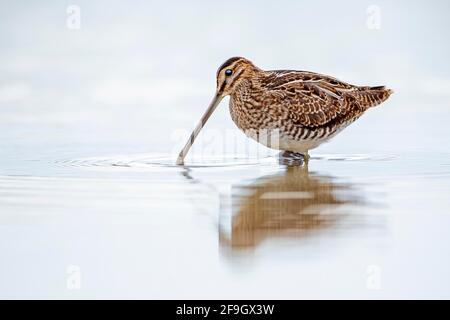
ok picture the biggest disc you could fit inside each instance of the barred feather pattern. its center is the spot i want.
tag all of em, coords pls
(302, 105)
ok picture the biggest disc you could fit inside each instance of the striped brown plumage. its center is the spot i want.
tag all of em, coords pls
(303, 108)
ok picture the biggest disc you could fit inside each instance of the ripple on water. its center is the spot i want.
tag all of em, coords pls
(151, 161)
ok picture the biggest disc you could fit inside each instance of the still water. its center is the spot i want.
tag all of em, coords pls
(92, 205)
(344, 227)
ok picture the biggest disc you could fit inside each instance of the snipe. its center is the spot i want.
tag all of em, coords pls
(293, 111)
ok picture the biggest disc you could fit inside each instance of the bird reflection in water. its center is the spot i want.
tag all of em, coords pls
(294, 203)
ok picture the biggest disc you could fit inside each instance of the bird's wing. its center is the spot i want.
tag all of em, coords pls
(307, 99)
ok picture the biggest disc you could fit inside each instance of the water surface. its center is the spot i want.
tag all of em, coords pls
(91, 120)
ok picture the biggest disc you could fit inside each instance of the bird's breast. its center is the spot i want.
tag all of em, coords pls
(248, 113)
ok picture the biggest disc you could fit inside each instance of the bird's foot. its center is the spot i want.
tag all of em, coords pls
(293, 158)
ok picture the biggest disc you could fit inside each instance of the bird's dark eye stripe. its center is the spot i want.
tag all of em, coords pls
(228, 72)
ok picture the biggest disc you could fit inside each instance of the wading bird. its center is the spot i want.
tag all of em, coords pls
(293, 111)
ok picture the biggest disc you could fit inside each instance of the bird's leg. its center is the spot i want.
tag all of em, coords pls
(296, 155)
(306, 157)
(294, 158)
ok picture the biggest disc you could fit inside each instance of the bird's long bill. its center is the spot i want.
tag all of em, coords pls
(212, 106)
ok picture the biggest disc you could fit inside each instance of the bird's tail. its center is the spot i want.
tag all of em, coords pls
(372, 96)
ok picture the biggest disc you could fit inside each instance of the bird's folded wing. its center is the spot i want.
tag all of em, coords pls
(308, 103)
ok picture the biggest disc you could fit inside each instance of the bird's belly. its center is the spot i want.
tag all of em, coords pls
(286, 143)
(280, 139)
(299, 146)
(281, 135)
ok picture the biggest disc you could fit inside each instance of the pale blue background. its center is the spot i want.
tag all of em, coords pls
(138, 71)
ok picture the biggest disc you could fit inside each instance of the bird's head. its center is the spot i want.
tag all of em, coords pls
(232, 73)
(229, 75)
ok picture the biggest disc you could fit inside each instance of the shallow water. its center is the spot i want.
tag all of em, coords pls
(92, 205)
(137, 226)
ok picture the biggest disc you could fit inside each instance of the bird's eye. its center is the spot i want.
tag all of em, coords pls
(228, 72)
